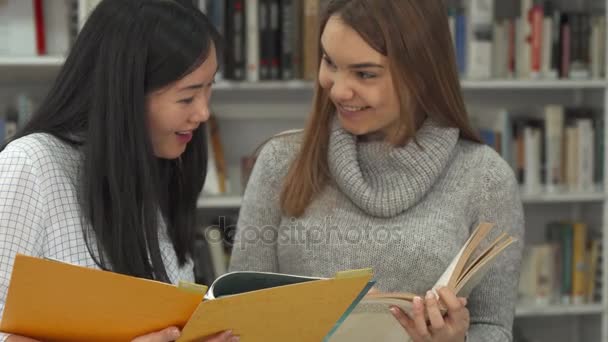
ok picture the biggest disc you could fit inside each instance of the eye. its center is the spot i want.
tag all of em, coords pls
(329, 62)
(365, 75)
(186, 101)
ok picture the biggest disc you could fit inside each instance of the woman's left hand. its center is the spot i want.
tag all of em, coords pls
(449, 328)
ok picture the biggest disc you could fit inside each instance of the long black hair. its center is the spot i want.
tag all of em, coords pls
(127, 49)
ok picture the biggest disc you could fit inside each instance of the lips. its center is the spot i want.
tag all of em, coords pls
(184, 136)
(350, 111)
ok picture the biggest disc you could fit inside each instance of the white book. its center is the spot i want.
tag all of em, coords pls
(17, 28)
(524, 54)
(532, 153)
(554, 121)
(500, 50)
(480, 14)
(586, 152)
(253, 40)
(57, 27)
(598, 46)
(572, 157)
(85, 7)
(202, 5)
(547, 49)
(212, 182)
(214, 239)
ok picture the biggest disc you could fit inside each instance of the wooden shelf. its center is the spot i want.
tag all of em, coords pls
(466, 84)
(234, 201)
(595, 196)
(558, 310)
(226, 202)
(31, 61)
(533, 84)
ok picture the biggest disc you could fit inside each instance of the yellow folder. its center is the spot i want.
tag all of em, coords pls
(54, 301)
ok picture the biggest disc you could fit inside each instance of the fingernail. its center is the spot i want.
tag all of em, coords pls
(227, 334)
(394, 311)
(430, 295)
(417, 301)
(235, 339)
(464, 301)
(175, 333)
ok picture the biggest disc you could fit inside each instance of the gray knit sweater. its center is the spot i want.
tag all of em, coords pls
(405, 212)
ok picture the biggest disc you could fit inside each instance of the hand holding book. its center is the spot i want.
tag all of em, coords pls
(466, 270)
(429, 321)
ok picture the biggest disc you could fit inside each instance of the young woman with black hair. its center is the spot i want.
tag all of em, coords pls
(107, 172)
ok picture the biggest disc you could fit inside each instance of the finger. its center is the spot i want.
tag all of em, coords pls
(373, 290)
(419, 318)
(165, 335)
(453, 304)
(432, 309)
(463, 301)
(225, 336)
(406, 322)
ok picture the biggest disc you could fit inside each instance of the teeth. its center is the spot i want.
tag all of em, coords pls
(352, 109)
(183, 133)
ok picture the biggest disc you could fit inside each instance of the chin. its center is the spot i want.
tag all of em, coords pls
(170, 154)
(353, 129)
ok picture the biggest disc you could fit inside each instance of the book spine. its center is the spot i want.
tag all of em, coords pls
(253, 42)
(554, 120)
(39, 22)
(579, 243)
(310, 39)
(287, 41)
(275, 40)
(536, 38)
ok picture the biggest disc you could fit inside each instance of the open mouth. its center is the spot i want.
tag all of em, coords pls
(351, 110)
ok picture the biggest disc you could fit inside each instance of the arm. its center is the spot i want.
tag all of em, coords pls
(260, 215)
(492, 302)
(21, 215)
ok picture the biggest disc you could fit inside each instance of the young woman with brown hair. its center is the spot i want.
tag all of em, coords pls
(388, 173)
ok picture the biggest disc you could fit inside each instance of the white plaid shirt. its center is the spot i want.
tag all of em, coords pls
(39, 211)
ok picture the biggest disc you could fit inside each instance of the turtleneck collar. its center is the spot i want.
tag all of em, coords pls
(384, 180)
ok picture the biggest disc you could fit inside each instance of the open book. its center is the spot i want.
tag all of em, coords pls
(55, 301)
(371, 319)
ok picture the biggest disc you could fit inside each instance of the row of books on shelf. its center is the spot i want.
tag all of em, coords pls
(538, 39)
(37, 27)
(277, 39)
(267, 39)
(566, 269)
(556, 148)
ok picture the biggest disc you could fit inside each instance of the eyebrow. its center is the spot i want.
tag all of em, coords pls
(356, 65)
(197, 85)
(192, 86)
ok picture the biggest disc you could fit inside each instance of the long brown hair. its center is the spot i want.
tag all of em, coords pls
(415, 37)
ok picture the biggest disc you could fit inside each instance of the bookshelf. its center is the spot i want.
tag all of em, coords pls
(257, 110)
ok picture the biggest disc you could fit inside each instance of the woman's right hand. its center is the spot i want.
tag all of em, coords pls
(173, 333)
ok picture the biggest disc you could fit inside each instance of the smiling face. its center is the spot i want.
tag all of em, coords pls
(176, 110)
(358, 81)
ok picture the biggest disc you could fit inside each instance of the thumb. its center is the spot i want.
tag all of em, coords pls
(165, 335)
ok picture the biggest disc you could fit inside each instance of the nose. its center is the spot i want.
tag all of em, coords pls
(340, 90)
(201, 113)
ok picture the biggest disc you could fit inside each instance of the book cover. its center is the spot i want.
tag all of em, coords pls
(55, 301)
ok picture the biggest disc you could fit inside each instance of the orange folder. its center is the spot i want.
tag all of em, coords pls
(54, 301)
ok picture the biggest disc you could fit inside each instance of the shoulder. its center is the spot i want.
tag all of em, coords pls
(40, 150)
(281, 148)
(274, 157)
(485, 166)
